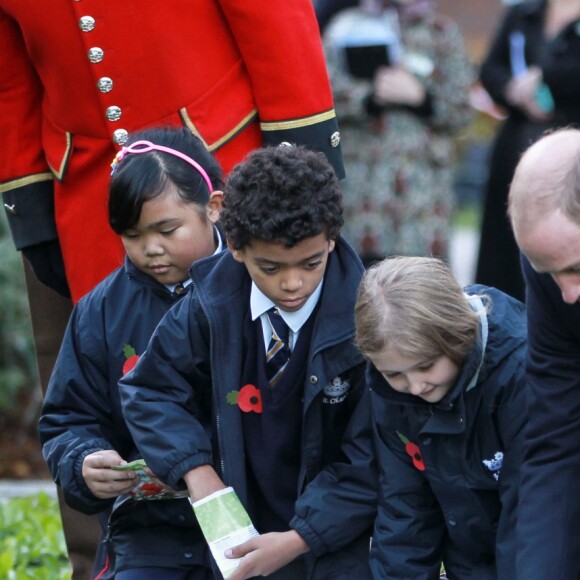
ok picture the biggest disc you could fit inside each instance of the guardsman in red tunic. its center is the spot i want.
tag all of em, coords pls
(77, 76)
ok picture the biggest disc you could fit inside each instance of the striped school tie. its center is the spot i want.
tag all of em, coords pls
(278, 349)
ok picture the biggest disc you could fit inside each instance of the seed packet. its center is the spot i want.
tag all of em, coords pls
(225, 524)
(147, 489)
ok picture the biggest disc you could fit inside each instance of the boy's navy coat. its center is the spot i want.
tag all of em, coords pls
(175, 402)
(449, 471)
(82, 411)
(549, 514)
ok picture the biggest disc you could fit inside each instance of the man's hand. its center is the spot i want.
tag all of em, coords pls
(48, 265)
(103, 482)
(265, 554)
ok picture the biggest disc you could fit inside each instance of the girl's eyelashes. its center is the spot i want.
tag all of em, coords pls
(421, 368)
(426, 366)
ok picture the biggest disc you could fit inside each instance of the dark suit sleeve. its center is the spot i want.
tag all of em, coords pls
(549, 510)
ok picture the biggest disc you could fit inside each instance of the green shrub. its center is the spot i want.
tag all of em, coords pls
(31, 540)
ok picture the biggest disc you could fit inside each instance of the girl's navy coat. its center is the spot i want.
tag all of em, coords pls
(176, 404)
(82, 410)
(449, 471)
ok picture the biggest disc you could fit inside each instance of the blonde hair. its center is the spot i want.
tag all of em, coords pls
(416, 306)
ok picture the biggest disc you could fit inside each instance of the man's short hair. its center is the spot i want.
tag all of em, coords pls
(548, 188)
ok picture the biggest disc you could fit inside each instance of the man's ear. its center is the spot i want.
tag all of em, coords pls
(214, 206)
(237, 254)
(331, 245)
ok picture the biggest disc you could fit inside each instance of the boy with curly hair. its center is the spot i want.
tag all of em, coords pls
(206, 408)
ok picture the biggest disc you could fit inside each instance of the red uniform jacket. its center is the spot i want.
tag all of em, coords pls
(76, 76)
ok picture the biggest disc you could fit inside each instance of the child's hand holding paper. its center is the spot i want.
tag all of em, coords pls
(266, 554)
(225, 524)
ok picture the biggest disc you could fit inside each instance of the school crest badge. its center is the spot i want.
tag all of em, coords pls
(336, 391)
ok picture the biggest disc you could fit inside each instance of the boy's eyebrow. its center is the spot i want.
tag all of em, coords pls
(308, 259)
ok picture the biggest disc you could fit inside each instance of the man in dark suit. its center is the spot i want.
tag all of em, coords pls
(544, 207)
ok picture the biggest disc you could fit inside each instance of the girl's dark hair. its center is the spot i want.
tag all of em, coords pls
(138, 178)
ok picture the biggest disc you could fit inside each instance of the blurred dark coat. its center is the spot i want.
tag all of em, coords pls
(559, 58)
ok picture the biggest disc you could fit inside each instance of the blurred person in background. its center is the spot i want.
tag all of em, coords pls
(326, 9)
(532, 70)
(401, 78)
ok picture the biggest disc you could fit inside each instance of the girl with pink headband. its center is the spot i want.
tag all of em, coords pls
(163, 204)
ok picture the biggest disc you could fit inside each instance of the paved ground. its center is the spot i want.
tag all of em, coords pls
(463, 254)
(11, 488)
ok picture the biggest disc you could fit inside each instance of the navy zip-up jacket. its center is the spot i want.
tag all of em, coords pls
(449, 471)
(176, 401)
(82, 414)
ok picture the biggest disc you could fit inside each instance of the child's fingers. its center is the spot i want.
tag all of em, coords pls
(103, 459)
(241, 550)
(245, 569)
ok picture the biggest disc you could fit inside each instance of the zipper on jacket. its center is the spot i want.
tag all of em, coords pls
(302, 476)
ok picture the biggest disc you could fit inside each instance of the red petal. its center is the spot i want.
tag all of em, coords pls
(130, 363)
(245, 402)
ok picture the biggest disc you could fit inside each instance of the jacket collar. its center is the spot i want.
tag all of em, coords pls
(139, 276)
(219, 279)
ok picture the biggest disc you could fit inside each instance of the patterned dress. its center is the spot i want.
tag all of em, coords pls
(398, 193)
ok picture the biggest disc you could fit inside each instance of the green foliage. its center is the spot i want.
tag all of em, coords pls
(31, 540)
(18, 369)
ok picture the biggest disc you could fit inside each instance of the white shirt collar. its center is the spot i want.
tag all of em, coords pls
(260, 304)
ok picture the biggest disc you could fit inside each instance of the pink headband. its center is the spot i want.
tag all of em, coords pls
(147, 146)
